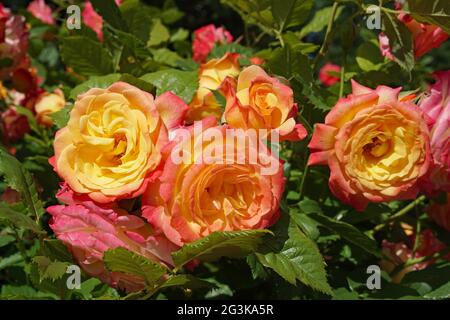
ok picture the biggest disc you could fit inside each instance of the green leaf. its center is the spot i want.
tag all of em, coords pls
(122, 260)
(171, 15)
(20, 180)
(182, 83)
(86, 56)
(349, 233)
(101, 82)
(400, 41)
(436, 12)
(319, 21)
(48, 269)
(344, 294)
(5, 240)
(166, 57)
(22, 293)
(290, 13)
(443, 292)
(139, 18)
(110, 13)
(10, 261)
(137, 82)
(368, 56)
(179, 35)
(185, 281)
(220, 50)
(308, 225)
(309, 206)
(55, 250)
(18, 219)
(254, 12)
(61, 117)
(288, 62)
(231, 244)
(159, 34)
(299, 259)
(86, 288)
(256, 267)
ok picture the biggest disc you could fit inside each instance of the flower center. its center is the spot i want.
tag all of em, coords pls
(120, 144)
(378, 146)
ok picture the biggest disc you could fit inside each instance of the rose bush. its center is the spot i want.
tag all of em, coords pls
(241, 149)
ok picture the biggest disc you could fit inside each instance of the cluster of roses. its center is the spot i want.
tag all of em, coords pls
(123, 188)
(19, 83)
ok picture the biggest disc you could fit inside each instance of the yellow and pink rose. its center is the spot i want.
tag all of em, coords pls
(113, 140)
(376, 145)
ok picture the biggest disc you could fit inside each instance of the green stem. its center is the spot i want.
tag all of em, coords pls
(306, 123)
(302, 182)
(401, 213)
(341, 87)
(327, 39)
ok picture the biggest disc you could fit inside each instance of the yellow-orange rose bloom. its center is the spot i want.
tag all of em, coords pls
(48, 103)
(211, 76)
(113, 139)
(376, 145)
(194, 198)
(259, 101)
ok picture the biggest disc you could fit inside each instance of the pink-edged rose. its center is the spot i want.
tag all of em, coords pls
(112, 143)
(194, 198)
(377, 147)
(90, 230)
(259, 101)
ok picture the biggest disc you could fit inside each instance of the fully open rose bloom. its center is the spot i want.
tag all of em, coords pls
(205, 38)
(211, 76)
(89, 230)
(259, 101)
(112, 142)
(209, 190)
(437, 109)
(377, 147)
